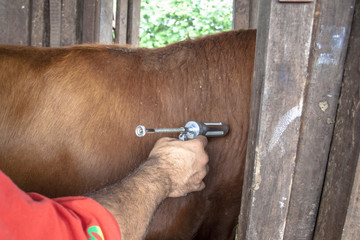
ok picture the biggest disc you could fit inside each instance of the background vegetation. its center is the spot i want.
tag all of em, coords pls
(168, 21)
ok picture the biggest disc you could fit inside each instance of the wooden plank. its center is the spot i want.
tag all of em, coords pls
(97, 25)
(69, 22)
(330, 39)
(133, 37)
(257, 88)
(121, 21)
(339, 214)
(296, 1)
(89, 21)
(46, 22)
(106, 18)
(14, 22)
(254, 9)
(281, 57)
(351, 228)
(37, 23)
(241, 14)
(55, 22)
(297, 79)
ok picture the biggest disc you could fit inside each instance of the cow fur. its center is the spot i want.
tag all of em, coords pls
(68, 115)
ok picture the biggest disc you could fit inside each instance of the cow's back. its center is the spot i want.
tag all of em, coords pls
(67, 120)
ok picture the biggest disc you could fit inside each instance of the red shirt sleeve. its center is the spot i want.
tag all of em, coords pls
(33, 216)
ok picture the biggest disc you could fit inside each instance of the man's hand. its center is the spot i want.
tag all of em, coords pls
(174, 169)
(185, 162)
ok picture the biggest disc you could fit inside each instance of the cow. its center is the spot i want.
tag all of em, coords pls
(68, 115)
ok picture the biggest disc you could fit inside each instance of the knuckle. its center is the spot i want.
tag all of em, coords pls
(203, 175)
(164, 139)
(204, 159)
(202, 186)
(197, 143)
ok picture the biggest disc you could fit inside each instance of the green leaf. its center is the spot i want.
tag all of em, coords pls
(168, 21)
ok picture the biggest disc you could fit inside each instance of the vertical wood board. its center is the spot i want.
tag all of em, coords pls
(37, 23)
(279, 81)
(257, 86)
(105, 25)
(14, 22)
(55, 23)
(133, 37)
(326, 65)
(351, 228)
(299, 60)
(339, 214)
(241, 14)
(121, 21)
(89, 21)
(69, 22)
(254, 10)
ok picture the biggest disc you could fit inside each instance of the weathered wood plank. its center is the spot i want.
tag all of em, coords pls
(69, 22)
(329, 47)
(296, 1)
(14, 22)
(339, 214)
(89, 21)
(254, 10)
(133, 37)
(298, 66)
(106, 18)
(257, 88)
(121, 21)
(351, 228)
(241, 14)
(46, 15)
(282, 54)
(37, 23)
(55, 22)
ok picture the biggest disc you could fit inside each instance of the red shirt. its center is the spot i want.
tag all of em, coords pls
(33, 216)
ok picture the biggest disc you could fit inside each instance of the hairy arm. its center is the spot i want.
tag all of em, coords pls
(174, 168)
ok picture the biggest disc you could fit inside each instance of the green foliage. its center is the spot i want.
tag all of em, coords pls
(168, 21)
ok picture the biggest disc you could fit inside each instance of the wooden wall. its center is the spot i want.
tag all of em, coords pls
(299, 65)
(302, 177)
(68, 22)
(245, 14)
(339, 215)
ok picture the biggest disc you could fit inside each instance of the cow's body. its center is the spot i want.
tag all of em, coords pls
(67, 120)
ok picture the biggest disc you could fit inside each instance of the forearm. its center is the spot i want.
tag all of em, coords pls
(174, 169)
(134, 200)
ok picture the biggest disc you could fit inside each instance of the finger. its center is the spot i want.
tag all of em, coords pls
(199, 176)
(203, 139)
(201, 186)
(206, 158)
(166, 139)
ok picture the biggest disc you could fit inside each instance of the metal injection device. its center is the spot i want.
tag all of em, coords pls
(191, 130)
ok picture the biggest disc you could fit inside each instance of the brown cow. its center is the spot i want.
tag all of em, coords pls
(67, 120)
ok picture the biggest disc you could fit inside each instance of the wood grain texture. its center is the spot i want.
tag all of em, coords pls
(121, 21)
(241, 14)
(37, 23)
(339, 214)
(299, 62)
(106, 18)
(277, 99)
(69, 23)
(133, 22)
(55, 23)
(14, 22)
(331, 32)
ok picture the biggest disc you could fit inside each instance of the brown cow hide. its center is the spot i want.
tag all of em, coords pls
(67, 120)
